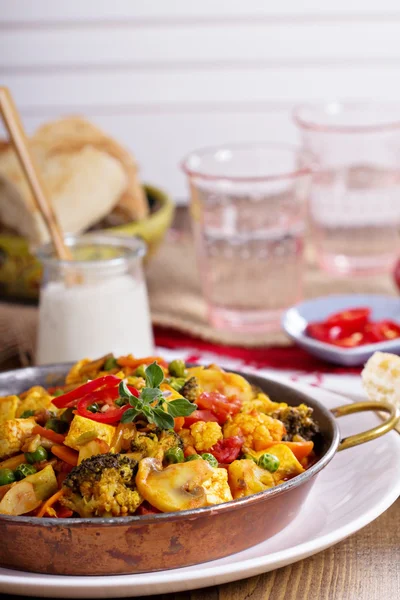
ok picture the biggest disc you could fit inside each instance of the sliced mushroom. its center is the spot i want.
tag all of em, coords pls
(19, 499)
(177, 487)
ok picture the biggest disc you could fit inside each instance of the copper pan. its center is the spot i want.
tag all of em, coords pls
(167, 541)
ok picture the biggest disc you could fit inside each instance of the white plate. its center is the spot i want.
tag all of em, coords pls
(353, 490)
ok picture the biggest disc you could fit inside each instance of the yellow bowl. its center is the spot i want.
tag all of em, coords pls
(20, 272)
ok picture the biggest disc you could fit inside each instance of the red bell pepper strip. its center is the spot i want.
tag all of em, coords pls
(112, 415)
(71, 398)
(106, 396)
(350, 321)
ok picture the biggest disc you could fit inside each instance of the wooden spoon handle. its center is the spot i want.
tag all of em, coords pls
(20, 143)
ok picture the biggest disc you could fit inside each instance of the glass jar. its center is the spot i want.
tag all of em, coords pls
(96, 303)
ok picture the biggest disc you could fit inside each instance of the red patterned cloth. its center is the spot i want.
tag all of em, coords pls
(288, 358)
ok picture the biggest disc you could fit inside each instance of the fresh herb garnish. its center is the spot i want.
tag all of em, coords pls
(151, 403)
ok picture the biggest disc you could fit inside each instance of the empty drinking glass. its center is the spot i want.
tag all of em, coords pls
(248, 210)
(355, 194)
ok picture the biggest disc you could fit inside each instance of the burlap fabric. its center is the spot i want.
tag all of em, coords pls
(176, 301)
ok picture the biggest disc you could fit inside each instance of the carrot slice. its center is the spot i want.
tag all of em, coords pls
(189, 450)
(179, 422)
(66, 454)
(300, 449)
(49, 503)
(49, 434)
(133, 363)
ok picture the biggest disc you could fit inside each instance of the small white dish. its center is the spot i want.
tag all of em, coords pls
(353, 490)
(296, 319)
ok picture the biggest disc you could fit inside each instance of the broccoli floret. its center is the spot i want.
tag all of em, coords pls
(297, 421)
(169, 439)
(144, 445)
(191, 390)
(102, 486)
(154, 443)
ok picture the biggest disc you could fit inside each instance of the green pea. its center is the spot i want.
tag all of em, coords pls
(37, 456)
(93, 408)
(111, 363)
(174, 455)
(141, 371)
(192, 457)
(57, 425)
(177, 368)
(177, 383)
(67, 415)
(27, 413)
(23, 471)
(269, 462)
(6, 476)
(210, 459)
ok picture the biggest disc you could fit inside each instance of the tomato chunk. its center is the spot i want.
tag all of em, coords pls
(200, 415)
(219, 405)
(226, 451)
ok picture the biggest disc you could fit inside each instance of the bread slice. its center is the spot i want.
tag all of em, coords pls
(73, 133)
(381, 378)
(83, 185)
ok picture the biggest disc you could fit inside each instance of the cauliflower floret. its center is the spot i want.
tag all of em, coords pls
(37, 398)
(80, 425)
(205, 435)
(8, 407)
(217, 487)
(246, 478)
(255, 428)
(12, 435)
(262, 403)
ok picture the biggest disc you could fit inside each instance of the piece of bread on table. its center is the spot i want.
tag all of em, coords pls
(84, 186)
(381, 378)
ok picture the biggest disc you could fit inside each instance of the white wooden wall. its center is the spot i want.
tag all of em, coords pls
(167, 76)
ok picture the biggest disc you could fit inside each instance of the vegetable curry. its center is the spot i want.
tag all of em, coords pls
(136, 436)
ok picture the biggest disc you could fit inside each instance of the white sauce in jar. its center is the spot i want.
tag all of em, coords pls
(94, 318)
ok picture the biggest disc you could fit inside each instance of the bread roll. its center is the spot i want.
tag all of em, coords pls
(381, 378)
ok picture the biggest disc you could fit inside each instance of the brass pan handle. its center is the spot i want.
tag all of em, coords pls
(370, 434)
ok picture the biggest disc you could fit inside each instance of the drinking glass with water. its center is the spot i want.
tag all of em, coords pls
(248, 206)
(355, 194)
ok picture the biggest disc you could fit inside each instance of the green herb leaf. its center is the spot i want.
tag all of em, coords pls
(154, 375)
(162, 419)
(130, 415)
(180, 407)
(149, 395)
(123, 390)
